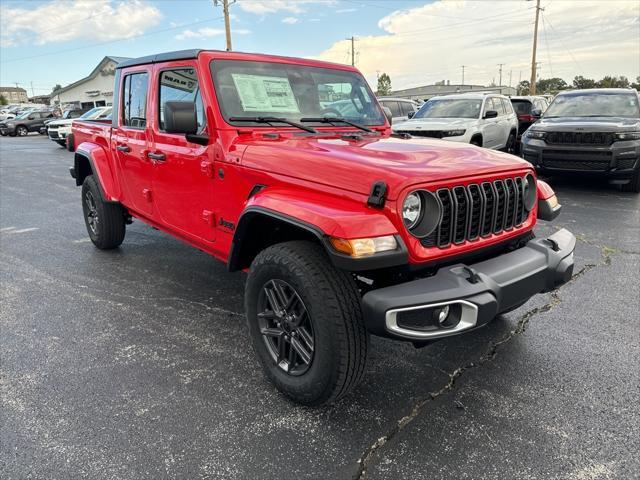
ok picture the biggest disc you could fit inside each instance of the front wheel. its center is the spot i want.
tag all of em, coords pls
(22, 131)
(305, 323)
(105, 221)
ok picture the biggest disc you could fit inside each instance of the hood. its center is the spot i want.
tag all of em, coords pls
(588, 124)
(356, 165)
(59, 123)
(435, 124)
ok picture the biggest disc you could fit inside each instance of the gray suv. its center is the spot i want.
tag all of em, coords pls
(595, 132)
(31, 121)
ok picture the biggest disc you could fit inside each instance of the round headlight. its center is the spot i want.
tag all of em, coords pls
(530, 192)
(411, 209)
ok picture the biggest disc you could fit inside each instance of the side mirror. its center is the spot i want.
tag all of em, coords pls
(411, 114)
(31, 117)
(536, 113)
(180, 117)
(490, 114)
(388, 114)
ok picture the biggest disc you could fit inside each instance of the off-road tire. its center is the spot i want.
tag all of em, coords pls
(109, 228)
(333, 304)
(634, 184)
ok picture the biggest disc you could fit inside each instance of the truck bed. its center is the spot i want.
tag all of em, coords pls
(95, 131)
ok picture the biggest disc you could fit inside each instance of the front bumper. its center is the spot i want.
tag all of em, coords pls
(476, 292)
(618, 160)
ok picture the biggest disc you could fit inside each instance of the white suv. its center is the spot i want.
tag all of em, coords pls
(482, 119)
(59, 130)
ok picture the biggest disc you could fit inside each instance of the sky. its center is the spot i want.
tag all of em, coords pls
(416, 42)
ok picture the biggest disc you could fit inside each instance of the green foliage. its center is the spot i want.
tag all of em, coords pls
(636, 85)
(614, 82)
(56, 88)
(550, 85)
(384, 85)
(3, 100)
(581, 82)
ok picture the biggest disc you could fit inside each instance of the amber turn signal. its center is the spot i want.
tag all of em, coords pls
(359, 247)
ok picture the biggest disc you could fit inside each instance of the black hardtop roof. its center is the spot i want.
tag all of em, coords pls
(161, 57)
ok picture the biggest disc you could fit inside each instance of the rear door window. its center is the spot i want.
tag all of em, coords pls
(394, 107)
(134, 100)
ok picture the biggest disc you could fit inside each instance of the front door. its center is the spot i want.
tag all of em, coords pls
(183, 179)
(130, 141)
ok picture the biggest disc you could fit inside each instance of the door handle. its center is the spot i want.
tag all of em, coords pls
(123, 148)
(158, 157)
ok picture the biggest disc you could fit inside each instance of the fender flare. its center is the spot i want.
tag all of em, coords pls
(302, 220)
(100, 167)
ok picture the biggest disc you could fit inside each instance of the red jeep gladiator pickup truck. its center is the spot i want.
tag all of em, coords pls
(287, 169)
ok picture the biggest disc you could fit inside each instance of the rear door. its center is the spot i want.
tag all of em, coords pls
(183, 171)
(130, 140)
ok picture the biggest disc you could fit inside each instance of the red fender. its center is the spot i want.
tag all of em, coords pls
(101, 166)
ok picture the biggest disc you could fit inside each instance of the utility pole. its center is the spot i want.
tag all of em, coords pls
(33, 94)
(532, 84)
(353, 50)
(463, 67)
(227, 24)
(510, 74)
(500, 81)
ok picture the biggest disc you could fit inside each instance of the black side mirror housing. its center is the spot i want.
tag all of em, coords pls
(388, 114)
(411, 114)
(490, 114)
(180, 117)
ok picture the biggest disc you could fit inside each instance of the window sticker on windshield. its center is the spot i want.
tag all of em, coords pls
(265, 94)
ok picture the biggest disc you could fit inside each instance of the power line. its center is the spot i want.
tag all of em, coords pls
(11, 60)
(565, 47)
(546, 42)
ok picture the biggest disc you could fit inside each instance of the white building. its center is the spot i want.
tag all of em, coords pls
(95, 90)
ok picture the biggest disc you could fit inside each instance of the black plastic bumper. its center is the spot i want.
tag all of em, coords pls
(483, 289)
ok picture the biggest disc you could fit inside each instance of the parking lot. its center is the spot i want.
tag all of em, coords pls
(135, 363)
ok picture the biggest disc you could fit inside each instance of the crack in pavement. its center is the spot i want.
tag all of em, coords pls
(366, 458)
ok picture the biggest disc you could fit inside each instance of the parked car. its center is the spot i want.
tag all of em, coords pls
(30, 121)
(485, 120)
(528, 109)
(343, 229)
(402, 109)
(67, 114)
(589, 132)
(59, 130)
(9, 112)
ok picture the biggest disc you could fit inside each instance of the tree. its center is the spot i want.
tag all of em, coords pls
(523, 87)
(614, 82)
(56, 88)
(384, 85)
(636, 85)
(581, 82)
(3, 100)
(550, 85)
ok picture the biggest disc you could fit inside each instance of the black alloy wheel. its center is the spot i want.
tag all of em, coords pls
(286, 327)
(92, 212)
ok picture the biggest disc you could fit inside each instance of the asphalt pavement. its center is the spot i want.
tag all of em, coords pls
(135, 363)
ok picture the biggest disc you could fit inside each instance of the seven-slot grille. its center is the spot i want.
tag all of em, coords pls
(579, 138)
(478, 210)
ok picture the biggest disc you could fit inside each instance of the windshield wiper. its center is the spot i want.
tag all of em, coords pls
(271, 120)
(334, 120)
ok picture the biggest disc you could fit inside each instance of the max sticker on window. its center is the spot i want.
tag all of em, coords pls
(265, 94)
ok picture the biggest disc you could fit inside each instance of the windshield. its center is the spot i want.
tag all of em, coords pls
(265, 89)
(91, 113)
(594, 105)
(453, 108)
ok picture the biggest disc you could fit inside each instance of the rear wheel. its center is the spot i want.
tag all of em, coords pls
(105, 221)
(634, 184)
(305, 323)
(510, 147)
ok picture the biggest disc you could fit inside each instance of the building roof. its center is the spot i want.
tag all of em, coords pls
(93, 73)
(12, 89)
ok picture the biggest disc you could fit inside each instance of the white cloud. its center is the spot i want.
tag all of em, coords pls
(208, 32)
(429, 43)
(263, 7)
(290, 20)
(346, 10)
(67, 20)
